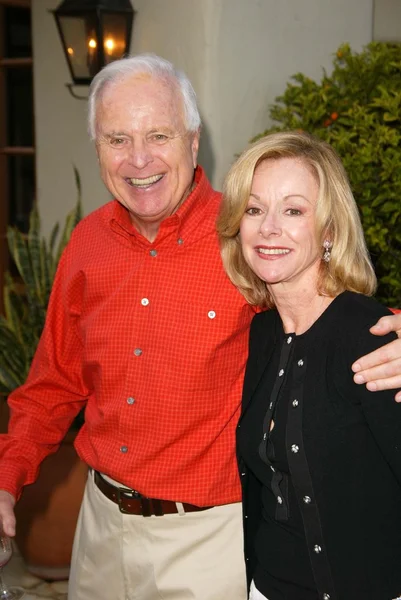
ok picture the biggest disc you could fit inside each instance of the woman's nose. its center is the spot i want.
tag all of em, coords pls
(270, 225)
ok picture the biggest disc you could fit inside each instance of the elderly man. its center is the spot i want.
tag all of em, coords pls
(145, 329)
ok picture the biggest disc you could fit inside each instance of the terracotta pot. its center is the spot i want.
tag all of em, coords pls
(47, 513)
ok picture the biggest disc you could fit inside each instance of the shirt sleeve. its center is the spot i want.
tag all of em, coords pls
(381, 411)
(42, 410)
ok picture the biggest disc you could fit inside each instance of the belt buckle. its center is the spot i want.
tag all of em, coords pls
(125, 493)
(149, 506)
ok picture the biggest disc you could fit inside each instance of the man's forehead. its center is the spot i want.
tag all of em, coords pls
(144, 97)
(142, 83)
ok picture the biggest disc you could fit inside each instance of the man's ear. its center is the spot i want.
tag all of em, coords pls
(195, 147)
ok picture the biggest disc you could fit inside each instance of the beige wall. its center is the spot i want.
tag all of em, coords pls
(256, 47)
(387, 21)
(238, 55)
(60, 126)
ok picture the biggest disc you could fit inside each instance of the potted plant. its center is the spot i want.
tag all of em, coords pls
(357, 109)
(48, 509)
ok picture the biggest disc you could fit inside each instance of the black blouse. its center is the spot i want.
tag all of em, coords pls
(322, 493)
(283, 567)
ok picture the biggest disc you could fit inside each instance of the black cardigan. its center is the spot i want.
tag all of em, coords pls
(349, 457)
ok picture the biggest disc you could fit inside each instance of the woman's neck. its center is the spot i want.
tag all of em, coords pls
(299, 309)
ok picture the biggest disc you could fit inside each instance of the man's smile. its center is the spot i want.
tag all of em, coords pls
(145, 182)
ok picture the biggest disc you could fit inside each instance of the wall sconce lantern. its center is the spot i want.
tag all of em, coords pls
(93, 33)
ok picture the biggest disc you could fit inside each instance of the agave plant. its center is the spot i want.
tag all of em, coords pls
(26, 297)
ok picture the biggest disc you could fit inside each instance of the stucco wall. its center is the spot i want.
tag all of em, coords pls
(238, 55)
(257, 46)
(387, 20)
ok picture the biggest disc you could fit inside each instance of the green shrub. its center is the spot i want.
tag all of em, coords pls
(26, 297)
(357, 109)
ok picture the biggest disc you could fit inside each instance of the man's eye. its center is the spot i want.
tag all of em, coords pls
(159, 137)
(116, 141)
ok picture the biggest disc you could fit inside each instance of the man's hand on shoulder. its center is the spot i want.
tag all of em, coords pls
(7, 516)
(381, 369)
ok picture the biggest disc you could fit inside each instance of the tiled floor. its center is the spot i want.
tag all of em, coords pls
(16, 574)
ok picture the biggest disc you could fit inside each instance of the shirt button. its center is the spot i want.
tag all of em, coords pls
(137, 352)
(289, 340)
(307, 499)
(317, 549)
(211, 314)
(294, 448)
(326, 596)
(124, 449)
(130, 400)
(279, 500)
(281, 373)
(295, 403)
(153, 252)
(145, 301)
(180, 241)
(300, 363)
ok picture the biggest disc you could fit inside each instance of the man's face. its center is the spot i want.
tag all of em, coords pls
(146, 156)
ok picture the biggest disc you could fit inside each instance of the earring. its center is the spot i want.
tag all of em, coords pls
(327, 245)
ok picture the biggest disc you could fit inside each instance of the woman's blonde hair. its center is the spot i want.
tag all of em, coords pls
(337, 217)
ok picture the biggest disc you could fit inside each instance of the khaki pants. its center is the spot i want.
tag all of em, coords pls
(192, 556)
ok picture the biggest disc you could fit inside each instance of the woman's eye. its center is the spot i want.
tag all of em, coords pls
(293, 212)
(252, 210)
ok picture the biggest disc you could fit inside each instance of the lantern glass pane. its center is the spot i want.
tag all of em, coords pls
(114, 36)
(81, 43)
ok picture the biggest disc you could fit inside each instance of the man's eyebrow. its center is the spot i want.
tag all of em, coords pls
(110, 134)
(162, 128)
(114, 134)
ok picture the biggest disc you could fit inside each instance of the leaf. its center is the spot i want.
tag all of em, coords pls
(364, 89)
(26, 297)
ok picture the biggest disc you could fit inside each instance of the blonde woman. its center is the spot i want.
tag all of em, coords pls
(319, 456)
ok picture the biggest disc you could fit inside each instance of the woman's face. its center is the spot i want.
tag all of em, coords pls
(277, 231)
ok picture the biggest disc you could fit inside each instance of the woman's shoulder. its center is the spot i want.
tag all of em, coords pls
(266, 318)
(264, 326)
(355, 314)
(358, 309)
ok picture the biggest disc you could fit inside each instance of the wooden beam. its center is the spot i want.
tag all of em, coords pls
(17, 3)
(16, 62)
(17, 150)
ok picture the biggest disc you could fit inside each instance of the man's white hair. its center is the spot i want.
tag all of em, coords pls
(143, 63)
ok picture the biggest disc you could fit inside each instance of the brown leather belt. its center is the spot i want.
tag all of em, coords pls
(132, 502)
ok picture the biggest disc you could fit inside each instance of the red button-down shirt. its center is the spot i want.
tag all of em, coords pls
(153, 338)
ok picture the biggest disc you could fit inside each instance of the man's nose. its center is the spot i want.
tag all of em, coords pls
(139, 154)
